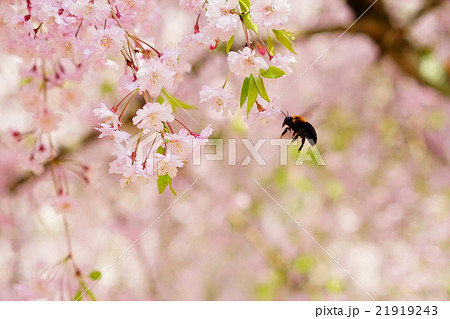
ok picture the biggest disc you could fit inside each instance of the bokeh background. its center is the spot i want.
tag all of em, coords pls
(380, 206)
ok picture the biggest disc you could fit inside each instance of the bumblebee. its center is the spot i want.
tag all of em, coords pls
(300, 129)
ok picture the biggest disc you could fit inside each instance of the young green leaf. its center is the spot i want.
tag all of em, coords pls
(270, 45)
(229, 44)
(87, 291)
(163, 182)
(176, 103)
(272, 72)
(286, 38)
(244, 91)
(161, 150)
(160, 99)
(77, 296)
(95, 275)
(250, 24)
(261, 88)
(252, 93)
(244, 5)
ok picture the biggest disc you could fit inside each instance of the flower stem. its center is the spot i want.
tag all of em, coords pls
(226, 80)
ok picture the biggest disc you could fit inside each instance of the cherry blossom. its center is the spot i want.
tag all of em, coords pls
(245, 63)
(180, 144)
(154, 76)
(63, 203)
(191, 4)
(102, 112)
(263, 115)
(194, 40)
(202, 138)
(217, 97)
(108, 130)
(168, 164)
(270, 14)
(152, 116)
(109, 40)
(222, 18)
(47, 120)
(97, 10)
(122, 161)
(283, 61)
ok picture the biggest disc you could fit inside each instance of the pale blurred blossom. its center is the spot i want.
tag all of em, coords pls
(270, 14)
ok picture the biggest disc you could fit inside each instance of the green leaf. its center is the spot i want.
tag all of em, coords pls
(244, 91)
(87, 291)
(286, 38)
(77, 296)
(163, 182)
(161, 150)
(95, 275)
(160, 99)
(272, 72)
(261, 88)
(252, 93)
(270, 45)
(249, 23)
(244, 5)
(229, 44)
(176, 103)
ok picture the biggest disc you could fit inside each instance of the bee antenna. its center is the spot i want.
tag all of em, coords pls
(283, 113)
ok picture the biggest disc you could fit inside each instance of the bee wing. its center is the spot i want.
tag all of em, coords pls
(309, 110)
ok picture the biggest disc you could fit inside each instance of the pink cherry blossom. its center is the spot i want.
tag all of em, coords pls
(202, 138)
(191, 4)
(168, 164)
(155, 75)
(47, 121)
(283, 61)
(217, 98)
(221, 16)
(109, 40)
(122, 161)
(206, 132)
(116, 134)
(103, 113)
(127, 83)
(90, 10)
(202, 39)
(69, 47)
(152, 116)
(245, 63)
(196, 40)
(135, 174)
(170, 57)
(271, 111)
(47, 12)
(270, 14)
(64, 204)
(180, 144)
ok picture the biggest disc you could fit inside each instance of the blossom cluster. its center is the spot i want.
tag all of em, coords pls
(157, 159)
(63, 41)
(256, 59)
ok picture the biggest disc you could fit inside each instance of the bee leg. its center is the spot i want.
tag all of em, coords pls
(303, 142)
(284, 132)
(294, 137)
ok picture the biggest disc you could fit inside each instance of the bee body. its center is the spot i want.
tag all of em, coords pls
(300, 128)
